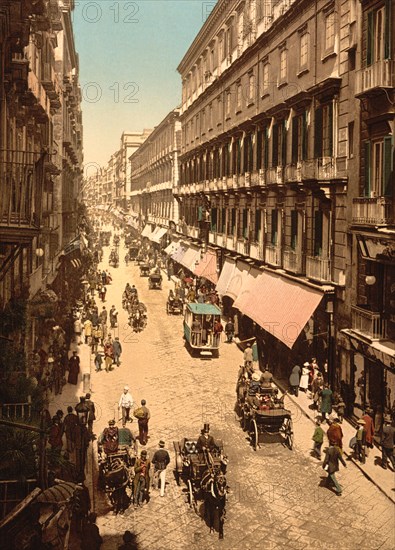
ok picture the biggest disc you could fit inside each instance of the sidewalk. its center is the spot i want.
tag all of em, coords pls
(383, 479)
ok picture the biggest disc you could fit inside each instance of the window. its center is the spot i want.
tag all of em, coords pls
(238, 98)
(351, 140)
(210, 117)
(299, 138)
(236, 153)
(213, 58)
(323, 126)
(248, 154)
(265, 78)
(283, 66)
(228, 103)
(226, 160)
(304, 48)
(294, 229)
(378, 35)
(223, 220)
(213, 220)
(229, 40)
(379, 168)
(221, 47)
(251, 89)
(274, 227)
(279, 141)
(258, 226)
(329, 32)
(321, 233)
(262, 160)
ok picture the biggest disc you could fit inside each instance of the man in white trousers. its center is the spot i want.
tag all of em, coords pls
(160, 460)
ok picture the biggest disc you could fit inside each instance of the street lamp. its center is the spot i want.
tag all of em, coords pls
(331, 366)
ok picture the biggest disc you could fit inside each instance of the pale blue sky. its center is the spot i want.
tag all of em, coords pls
(129, 53)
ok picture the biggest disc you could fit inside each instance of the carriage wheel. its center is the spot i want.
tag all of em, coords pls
(289, 434)
(254, 434)
(190, 493)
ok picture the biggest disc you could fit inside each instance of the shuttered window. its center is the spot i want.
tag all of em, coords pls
(214, 220)
(367, 180)
(274, 227)
(318, 232)
(388, 166)
(258, 224)
(275, 145)
(295, 139)
(294, 229)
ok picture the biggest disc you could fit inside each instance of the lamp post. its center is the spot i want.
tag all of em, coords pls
(82, 440)
(330, 355)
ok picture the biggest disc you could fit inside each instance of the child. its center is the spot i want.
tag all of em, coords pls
(361, 441)
(340, 407)
(318, 438)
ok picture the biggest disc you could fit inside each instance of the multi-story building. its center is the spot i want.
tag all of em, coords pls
(154, 172)
(40, 143)
(268, 105)
(368, 352)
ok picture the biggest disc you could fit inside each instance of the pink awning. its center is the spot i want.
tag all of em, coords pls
(238, 280)
(226, 275)
(279, 305)
(207, 267)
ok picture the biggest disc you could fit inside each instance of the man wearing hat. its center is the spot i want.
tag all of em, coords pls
(125, 404)
(335, 433)
(110, 438)
(74, 369)
(141, 478)
(117, 350)
(387, 443)
(248, 357)
(369, 429)
(205, 441)
(160, 460)
(360, 441)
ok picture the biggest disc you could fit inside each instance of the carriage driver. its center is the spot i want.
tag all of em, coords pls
(205, 441)
(110, 438)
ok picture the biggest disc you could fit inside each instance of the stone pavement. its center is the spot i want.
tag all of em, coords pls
(277, 497)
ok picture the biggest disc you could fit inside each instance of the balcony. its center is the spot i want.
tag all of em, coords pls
(293, 173)
(275, 176)
(293, 261)
(372, 211)
(243, 247)
(318, 268)
(230, 243)
(326, 168)
(379, 75)
(256, 251)
(273, 255)
(368, 323)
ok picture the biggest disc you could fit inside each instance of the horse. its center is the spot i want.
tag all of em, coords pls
(214, 488)
(116, 478)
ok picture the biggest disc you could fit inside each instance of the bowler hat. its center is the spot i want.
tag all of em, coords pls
(161, 443)
(111, 422)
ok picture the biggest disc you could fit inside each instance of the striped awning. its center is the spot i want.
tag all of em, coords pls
(238, 280)
(207, 267)
(189, 259)
(61, 492)
(146, 232)
(225, 276)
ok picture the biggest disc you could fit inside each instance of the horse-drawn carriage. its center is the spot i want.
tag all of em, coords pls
(138, 316)
(114, 258)
(116, 469)
(155, 280)
(204, 473)
(144, 270)
(262, 414)
(174, 305)
(134, 249)
(104, 238)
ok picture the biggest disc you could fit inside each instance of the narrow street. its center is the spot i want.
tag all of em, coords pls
(277, 498)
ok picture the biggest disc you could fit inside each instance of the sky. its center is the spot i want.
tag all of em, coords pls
(129, 53)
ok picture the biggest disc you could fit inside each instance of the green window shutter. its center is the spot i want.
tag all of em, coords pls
(294, 229)
(318, 133)
(266, 148)
(257, 232)
(239, 171)
(284, 143)
(388, 166)
(295, 132)
(274, 226)
(200, 213)
(370, 39)
(245, 223)
(368, 168)
(250, 154)
(223, 220)
(387, 31)
(330, 124)
(275, 145)
(304, 136)
(259, 150)
(318, 219)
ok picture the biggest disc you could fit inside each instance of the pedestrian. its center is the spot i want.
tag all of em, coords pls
(387, 443)
(143, 415)
(113, 317)
(248, 356)
(335, 433)
(117, 350)
(130, 541)
(91, 414)
(82, 506)
(90, 537)
(102, 293)
(294, 380)
(98, 361)
(340, 409)
(360, 442)
(217, 328)
(369, 429)
(108, 354)
(103, 316)
(160, 460)
(318, 438)
(316, 389)
(110, 438)
(326, 402)
(55, 435)
(229, 330)
(304, 379)
(69, 424)
(77, 330)
(331, 466)
(88, 330)
(141, 479)
(125, 404)
(74, 369)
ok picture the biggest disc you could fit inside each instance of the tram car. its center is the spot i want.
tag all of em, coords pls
(199, 329)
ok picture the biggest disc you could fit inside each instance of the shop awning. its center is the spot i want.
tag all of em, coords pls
(280, 306)
(225, 276)
(59, 493)
(207, 267)
(238, 280)
(247, 286)
(171, 248)
(158, 234)
(190, 257)
(179, 253)
(146, 232)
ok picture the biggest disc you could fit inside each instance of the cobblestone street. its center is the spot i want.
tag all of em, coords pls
(277, 497)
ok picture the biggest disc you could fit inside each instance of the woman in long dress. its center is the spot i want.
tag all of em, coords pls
(304, 379)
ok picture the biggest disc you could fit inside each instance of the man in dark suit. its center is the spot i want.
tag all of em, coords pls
(205, 441)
